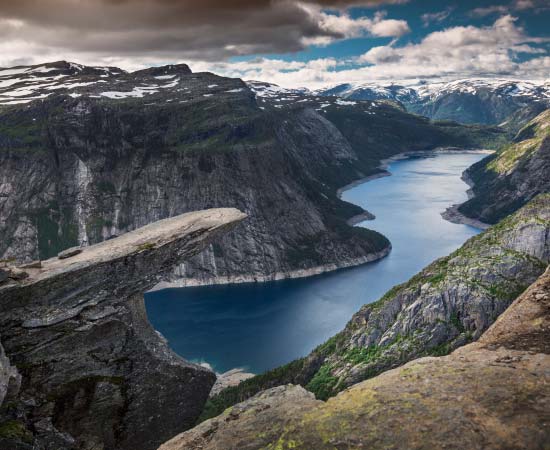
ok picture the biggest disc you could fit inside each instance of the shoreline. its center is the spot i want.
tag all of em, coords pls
(326, 268)
(384, 172)
(277, 276)
(453, 215)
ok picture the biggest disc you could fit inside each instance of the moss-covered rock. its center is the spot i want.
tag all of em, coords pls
(518, 172)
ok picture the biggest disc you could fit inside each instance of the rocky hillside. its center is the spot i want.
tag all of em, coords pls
(492, 394)
(507, 180)
(87, 154)
(467, 101)
(82, 366)
(450, 303)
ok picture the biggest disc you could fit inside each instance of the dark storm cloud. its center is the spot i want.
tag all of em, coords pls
(205, 29)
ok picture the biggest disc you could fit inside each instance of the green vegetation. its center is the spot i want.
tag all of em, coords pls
(440, 350)
(323, 384)
(20, 131)
(357, 355)
(56, 229)
(15, 430)
(337, 353)
(526, 142)
(289, 373)
(146, 246)
(457, 323)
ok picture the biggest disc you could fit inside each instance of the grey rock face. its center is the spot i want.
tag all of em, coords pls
(280, 402)
(451, 302)
(69, 252)
(95, 374)
(9, 377)
(507, 180)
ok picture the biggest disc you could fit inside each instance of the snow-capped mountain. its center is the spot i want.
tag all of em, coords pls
(372, 91)
(488, 101)
(22, 85)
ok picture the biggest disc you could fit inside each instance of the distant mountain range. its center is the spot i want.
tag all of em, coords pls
(509, 103)
(485, 101)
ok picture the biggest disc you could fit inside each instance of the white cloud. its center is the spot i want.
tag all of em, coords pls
(494, 9)
(516, 5)
(452, 53)
(342, 24)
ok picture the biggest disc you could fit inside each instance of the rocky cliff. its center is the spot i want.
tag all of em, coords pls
(492, 394)
(509, 179)
(450, 303)
(91, 153)
(82, 367)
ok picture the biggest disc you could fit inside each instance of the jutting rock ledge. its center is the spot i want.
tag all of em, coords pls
(80, 365)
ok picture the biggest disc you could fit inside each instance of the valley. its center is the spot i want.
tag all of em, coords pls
(260, 326)
(114, 183)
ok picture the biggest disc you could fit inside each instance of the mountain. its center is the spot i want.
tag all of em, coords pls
(87, 154)
(483, 101)
(490, 394)
(450, 303)
(511, 177)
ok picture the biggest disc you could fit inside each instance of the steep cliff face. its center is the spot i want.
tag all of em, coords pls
(492, 394)
(99, 152)
(83, 368)
(450, 303)
(514, 175)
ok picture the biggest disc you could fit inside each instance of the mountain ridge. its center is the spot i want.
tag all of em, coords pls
(103, 153)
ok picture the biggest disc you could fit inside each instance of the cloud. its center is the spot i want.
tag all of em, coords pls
(343, 25)
(436, 17)
(460, 50)
(517, 5)
(457, 52)
(178, 29)
(486, 11)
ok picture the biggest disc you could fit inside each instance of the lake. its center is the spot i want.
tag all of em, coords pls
(261, 326)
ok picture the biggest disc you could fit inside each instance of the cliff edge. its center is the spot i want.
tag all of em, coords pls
(82, 367)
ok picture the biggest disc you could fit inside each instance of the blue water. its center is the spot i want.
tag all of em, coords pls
(261, 326)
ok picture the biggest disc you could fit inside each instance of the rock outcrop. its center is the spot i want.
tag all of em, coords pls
(511, 177)
(492, 394)
(93, 373)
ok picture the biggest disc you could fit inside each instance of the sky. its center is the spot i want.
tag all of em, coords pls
(311, 43)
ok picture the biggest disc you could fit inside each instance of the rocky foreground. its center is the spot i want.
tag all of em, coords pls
(492, 394)
(80, 365)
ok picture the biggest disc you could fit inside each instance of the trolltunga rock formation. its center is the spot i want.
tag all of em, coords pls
(81, 367)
